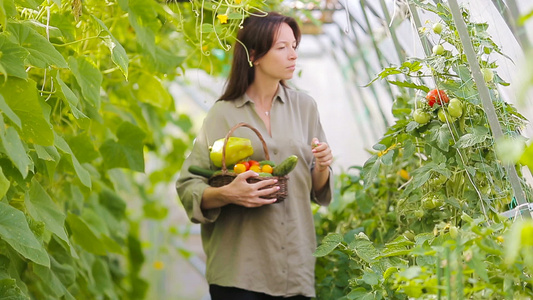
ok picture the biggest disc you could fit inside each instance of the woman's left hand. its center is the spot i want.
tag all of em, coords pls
(322, 154)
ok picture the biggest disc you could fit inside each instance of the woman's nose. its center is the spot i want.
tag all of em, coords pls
(293, 54)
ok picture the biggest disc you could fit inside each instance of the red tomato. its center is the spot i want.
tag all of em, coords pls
(437, 96)
(253, 163)
(246, 164)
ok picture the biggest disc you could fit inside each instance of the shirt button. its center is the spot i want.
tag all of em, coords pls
(282, 223)
(282, 248)
(275, 152)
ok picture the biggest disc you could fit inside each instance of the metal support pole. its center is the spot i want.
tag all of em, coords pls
(487, 102)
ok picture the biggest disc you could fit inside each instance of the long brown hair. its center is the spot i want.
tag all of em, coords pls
(257, 35)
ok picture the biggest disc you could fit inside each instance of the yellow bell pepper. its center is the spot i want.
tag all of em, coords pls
(237, 149)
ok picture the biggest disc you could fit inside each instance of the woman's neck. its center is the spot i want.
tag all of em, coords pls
(262, 93)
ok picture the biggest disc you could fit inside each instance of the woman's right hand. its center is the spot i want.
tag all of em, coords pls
(240, 192)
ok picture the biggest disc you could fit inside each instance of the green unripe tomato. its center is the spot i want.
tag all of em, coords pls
(409, 235)
(455, 108)
(456, 101)
(437, 28)
(428, 203)
(438, 202)
(465, 217)
(419, 213)
(453, 232)
(438, 49)
(488, 75)
(421, 117)
(439, 180)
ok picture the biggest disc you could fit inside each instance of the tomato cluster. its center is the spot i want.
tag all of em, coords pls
(252, 165)
(448, 110)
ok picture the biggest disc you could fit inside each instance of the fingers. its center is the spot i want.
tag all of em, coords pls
(247, 174)
(261, 197)
(253, 194)
(322, 154)
(314, 143)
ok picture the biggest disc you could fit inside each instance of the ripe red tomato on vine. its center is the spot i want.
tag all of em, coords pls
(437, 96)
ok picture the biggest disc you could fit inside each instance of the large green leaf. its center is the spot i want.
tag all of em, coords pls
(477, 135)
(53, 286)
(48, 153)
(118, 54)
(420, 176)
(83, 148)
(88, 77)
(164, 61)
(103, 279)
(12, 59)
(41, 52)
(21, 96)
(62, 262)
(84, 235)
(364, 248)
(10, 291)
(42, 208)
(15, 231)
(7, 9)
(82, 173)
(329, 243)
(127, 152)
(152, 91)
(143, 18)
(33, 4)
(69, 97)
(4, 184)
(4, 108)
(15, 151)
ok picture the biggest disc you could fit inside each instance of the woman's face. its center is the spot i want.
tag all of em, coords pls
(280, 61)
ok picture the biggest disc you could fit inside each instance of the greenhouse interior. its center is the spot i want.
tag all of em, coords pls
(426, 106)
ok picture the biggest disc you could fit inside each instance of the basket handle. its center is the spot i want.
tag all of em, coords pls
(242, 124)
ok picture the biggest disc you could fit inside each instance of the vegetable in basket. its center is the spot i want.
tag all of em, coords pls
(237, 149)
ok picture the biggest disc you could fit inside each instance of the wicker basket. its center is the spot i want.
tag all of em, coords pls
(226, 177)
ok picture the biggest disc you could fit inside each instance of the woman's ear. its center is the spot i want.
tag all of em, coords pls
(252, 58)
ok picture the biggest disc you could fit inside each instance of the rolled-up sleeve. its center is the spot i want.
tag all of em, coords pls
(325, 196)
(190, 187)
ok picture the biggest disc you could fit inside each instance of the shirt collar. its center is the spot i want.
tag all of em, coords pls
(281, 94)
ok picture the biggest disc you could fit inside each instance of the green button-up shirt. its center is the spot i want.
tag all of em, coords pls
(268, 249)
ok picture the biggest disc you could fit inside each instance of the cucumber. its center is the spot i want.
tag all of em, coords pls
(264, 174)
(201, 171)
(286, 166)
(267, 162)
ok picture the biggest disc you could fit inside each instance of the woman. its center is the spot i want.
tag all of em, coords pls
(255, 248)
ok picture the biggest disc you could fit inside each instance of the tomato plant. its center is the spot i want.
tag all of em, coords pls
(438, 234)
